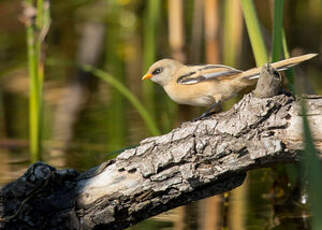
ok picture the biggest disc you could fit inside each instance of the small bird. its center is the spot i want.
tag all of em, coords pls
(208, 85)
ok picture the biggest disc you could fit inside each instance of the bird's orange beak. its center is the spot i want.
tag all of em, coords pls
(147, 76)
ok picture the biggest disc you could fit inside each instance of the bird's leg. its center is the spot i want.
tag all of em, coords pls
(208, 112)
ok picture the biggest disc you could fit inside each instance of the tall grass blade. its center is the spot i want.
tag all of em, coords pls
(277, 30)
(34, 91)
(37, 28)
(151, 21)
(313, 171)
(284, 45)
(146, 116)
(289, 72)
(254, 32)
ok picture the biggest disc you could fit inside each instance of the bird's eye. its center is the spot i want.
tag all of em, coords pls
(157, 71)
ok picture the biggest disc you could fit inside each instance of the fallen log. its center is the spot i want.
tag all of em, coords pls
(197, 160)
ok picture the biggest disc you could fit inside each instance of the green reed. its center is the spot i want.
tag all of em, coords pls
(146, 116)
(279, 43)
(255, 35)
(277, 30)
(289, 73)
(311, 164)
(312, 167)
(151, 22)
(37, 27)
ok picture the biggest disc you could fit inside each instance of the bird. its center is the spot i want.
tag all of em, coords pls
(209, 84)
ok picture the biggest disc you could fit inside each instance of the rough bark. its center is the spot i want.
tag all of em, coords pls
(199, 159)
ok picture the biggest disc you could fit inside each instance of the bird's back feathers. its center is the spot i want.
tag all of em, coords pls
(200, 73)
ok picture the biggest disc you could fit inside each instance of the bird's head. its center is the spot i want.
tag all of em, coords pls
(162, 71)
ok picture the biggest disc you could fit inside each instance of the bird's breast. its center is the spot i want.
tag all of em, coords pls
(195, 95)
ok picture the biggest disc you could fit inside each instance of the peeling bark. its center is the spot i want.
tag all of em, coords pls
(197, 160)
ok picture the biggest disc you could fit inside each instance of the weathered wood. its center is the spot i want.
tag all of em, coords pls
(199, 159)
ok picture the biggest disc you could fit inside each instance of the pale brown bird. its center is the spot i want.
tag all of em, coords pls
(207, 85)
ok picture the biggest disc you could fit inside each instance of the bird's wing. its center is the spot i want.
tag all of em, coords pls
(202, 73)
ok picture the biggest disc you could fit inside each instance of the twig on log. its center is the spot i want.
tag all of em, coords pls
(269, 83)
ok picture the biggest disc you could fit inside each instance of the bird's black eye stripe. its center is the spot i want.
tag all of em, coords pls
(157, 71)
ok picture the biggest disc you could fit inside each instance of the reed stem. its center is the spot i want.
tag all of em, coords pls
(312, 169)
(37, 27)
(255, 35)
(34, 87)
(289, 72)
(277, 30)
(152, 14)
(146, 116)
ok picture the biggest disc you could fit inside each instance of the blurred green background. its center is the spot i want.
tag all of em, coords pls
(88, 114)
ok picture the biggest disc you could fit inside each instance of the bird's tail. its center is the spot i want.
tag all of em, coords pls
(279, 66)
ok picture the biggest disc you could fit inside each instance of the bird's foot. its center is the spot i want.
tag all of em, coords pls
(210, 111)
(203, 116)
